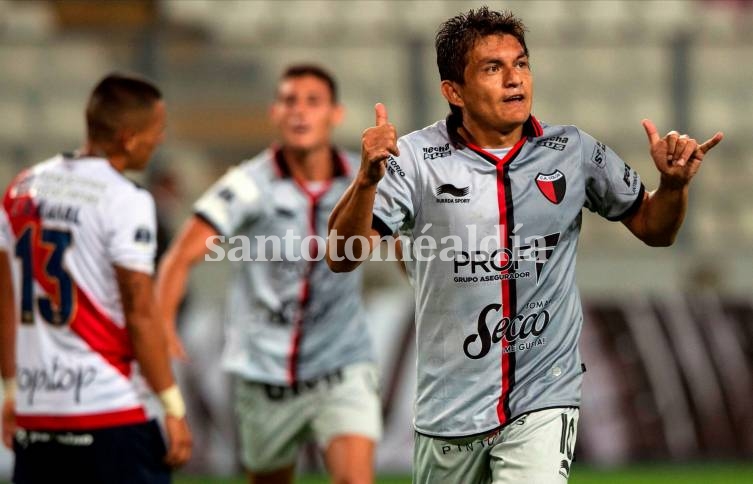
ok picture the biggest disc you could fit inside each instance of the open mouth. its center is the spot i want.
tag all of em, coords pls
(513, 98)
(299, 129)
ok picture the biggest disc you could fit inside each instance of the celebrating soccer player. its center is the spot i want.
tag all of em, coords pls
(297, 342)
(499, 372)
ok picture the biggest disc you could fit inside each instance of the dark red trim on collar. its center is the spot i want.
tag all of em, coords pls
(531, 129)
(341, 167)
(494, 160)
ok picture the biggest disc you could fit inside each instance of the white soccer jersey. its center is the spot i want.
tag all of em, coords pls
(497, 322)
(287, 320)
(71, 220)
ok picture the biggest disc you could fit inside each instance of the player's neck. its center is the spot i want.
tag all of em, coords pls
(94, 150)
(489, 138)
(310, 165)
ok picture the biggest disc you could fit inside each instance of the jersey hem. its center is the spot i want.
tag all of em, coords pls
(208, 220)
(245, 376)
(381, 227)
(82, 422)
(632, 208)
(492, 429)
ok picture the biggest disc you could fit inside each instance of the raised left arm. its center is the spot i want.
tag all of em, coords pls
(678, 158)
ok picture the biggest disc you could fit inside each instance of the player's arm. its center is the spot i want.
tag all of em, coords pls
(7, 349)
(352, 216)
(150, 349)
(187, 249)
(678, 158)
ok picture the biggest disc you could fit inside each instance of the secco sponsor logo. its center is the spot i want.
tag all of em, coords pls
(520, 332)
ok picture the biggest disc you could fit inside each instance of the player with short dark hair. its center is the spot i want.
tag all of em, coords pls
(82, 238)
(498, 321)
(296, 339)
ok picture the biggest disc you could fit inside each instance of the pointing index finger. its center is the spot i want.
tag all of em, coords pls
(651, 131)
(381, 114)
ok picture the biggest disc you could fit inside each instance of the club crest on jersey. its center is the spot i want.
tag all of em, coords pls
(552, 186)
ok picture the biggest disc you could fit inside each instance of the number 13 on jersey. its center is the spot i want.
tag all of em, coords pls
(41, 255)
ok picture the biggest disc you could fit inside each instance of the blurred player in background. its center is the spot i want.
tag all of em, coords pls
(499, 372)
(296, 338)
(7, 333)
(83, 241)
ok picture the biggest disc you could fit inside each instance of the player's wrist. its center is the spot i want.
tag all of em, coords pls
(366, 182)
(172, 402)
(9, 388)
(674, 184)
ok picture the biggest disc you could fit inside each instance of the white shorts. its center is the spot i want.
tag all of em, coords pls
(275, 421)
(535, 448)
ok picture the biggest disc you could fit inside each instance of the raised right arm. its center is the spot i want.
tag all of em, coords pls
(352, 216)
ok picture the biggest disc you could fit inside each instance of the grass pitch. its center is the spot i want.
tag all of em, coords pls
(646, 474)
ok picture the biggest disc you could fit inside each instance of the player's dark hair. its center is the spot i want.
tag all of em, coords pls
(457, 36)
(301, 70)
(112, 99)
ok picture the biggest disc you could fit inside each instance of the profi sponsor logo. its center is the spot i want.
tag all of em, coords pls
(393, 167)
(521, 332)
(557, 143)
(457, 194)
(552, 186)
(58, 377)
(432, 152)
(478, 266)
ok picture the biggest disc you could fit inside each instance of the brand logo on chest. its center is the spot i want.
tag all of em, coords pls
(456, 194)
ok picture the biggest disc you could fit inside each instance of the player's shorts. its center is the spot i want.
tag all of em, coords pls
(128, 454)
(275, 421)
(535, 448)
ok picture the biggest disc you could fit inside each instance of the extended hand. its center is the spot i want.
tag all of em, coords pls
(179, 441)
(377, 144)
(677, 157)
(9, 422)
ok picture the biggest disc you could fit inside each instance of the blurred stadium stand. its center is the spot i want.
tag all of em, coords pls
(657, 318)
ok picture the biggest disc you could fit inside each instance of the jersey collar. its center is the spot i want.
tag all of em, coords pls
(531, 129)
(282, 168)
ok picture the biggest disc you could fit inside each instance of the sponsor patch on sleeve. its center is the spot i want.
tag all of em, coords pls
(599, 154)
(143, 235)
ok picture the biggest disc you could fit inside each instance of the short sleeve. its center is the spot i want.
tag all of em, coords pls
(133, 233)
(613, 189)
(234, 200)
(396, 199)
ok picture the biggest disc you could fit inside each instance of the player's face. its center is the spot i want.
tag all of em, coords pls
(142, 142)
(498, 90)
(304, 113)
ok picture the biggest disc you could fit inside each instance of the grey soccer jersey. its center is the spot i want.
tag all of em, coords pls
(498, 314)
(287, 320)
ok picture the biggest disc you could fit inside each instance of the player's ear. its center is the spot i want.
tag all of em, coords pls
(451, 92)
(124, 140)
